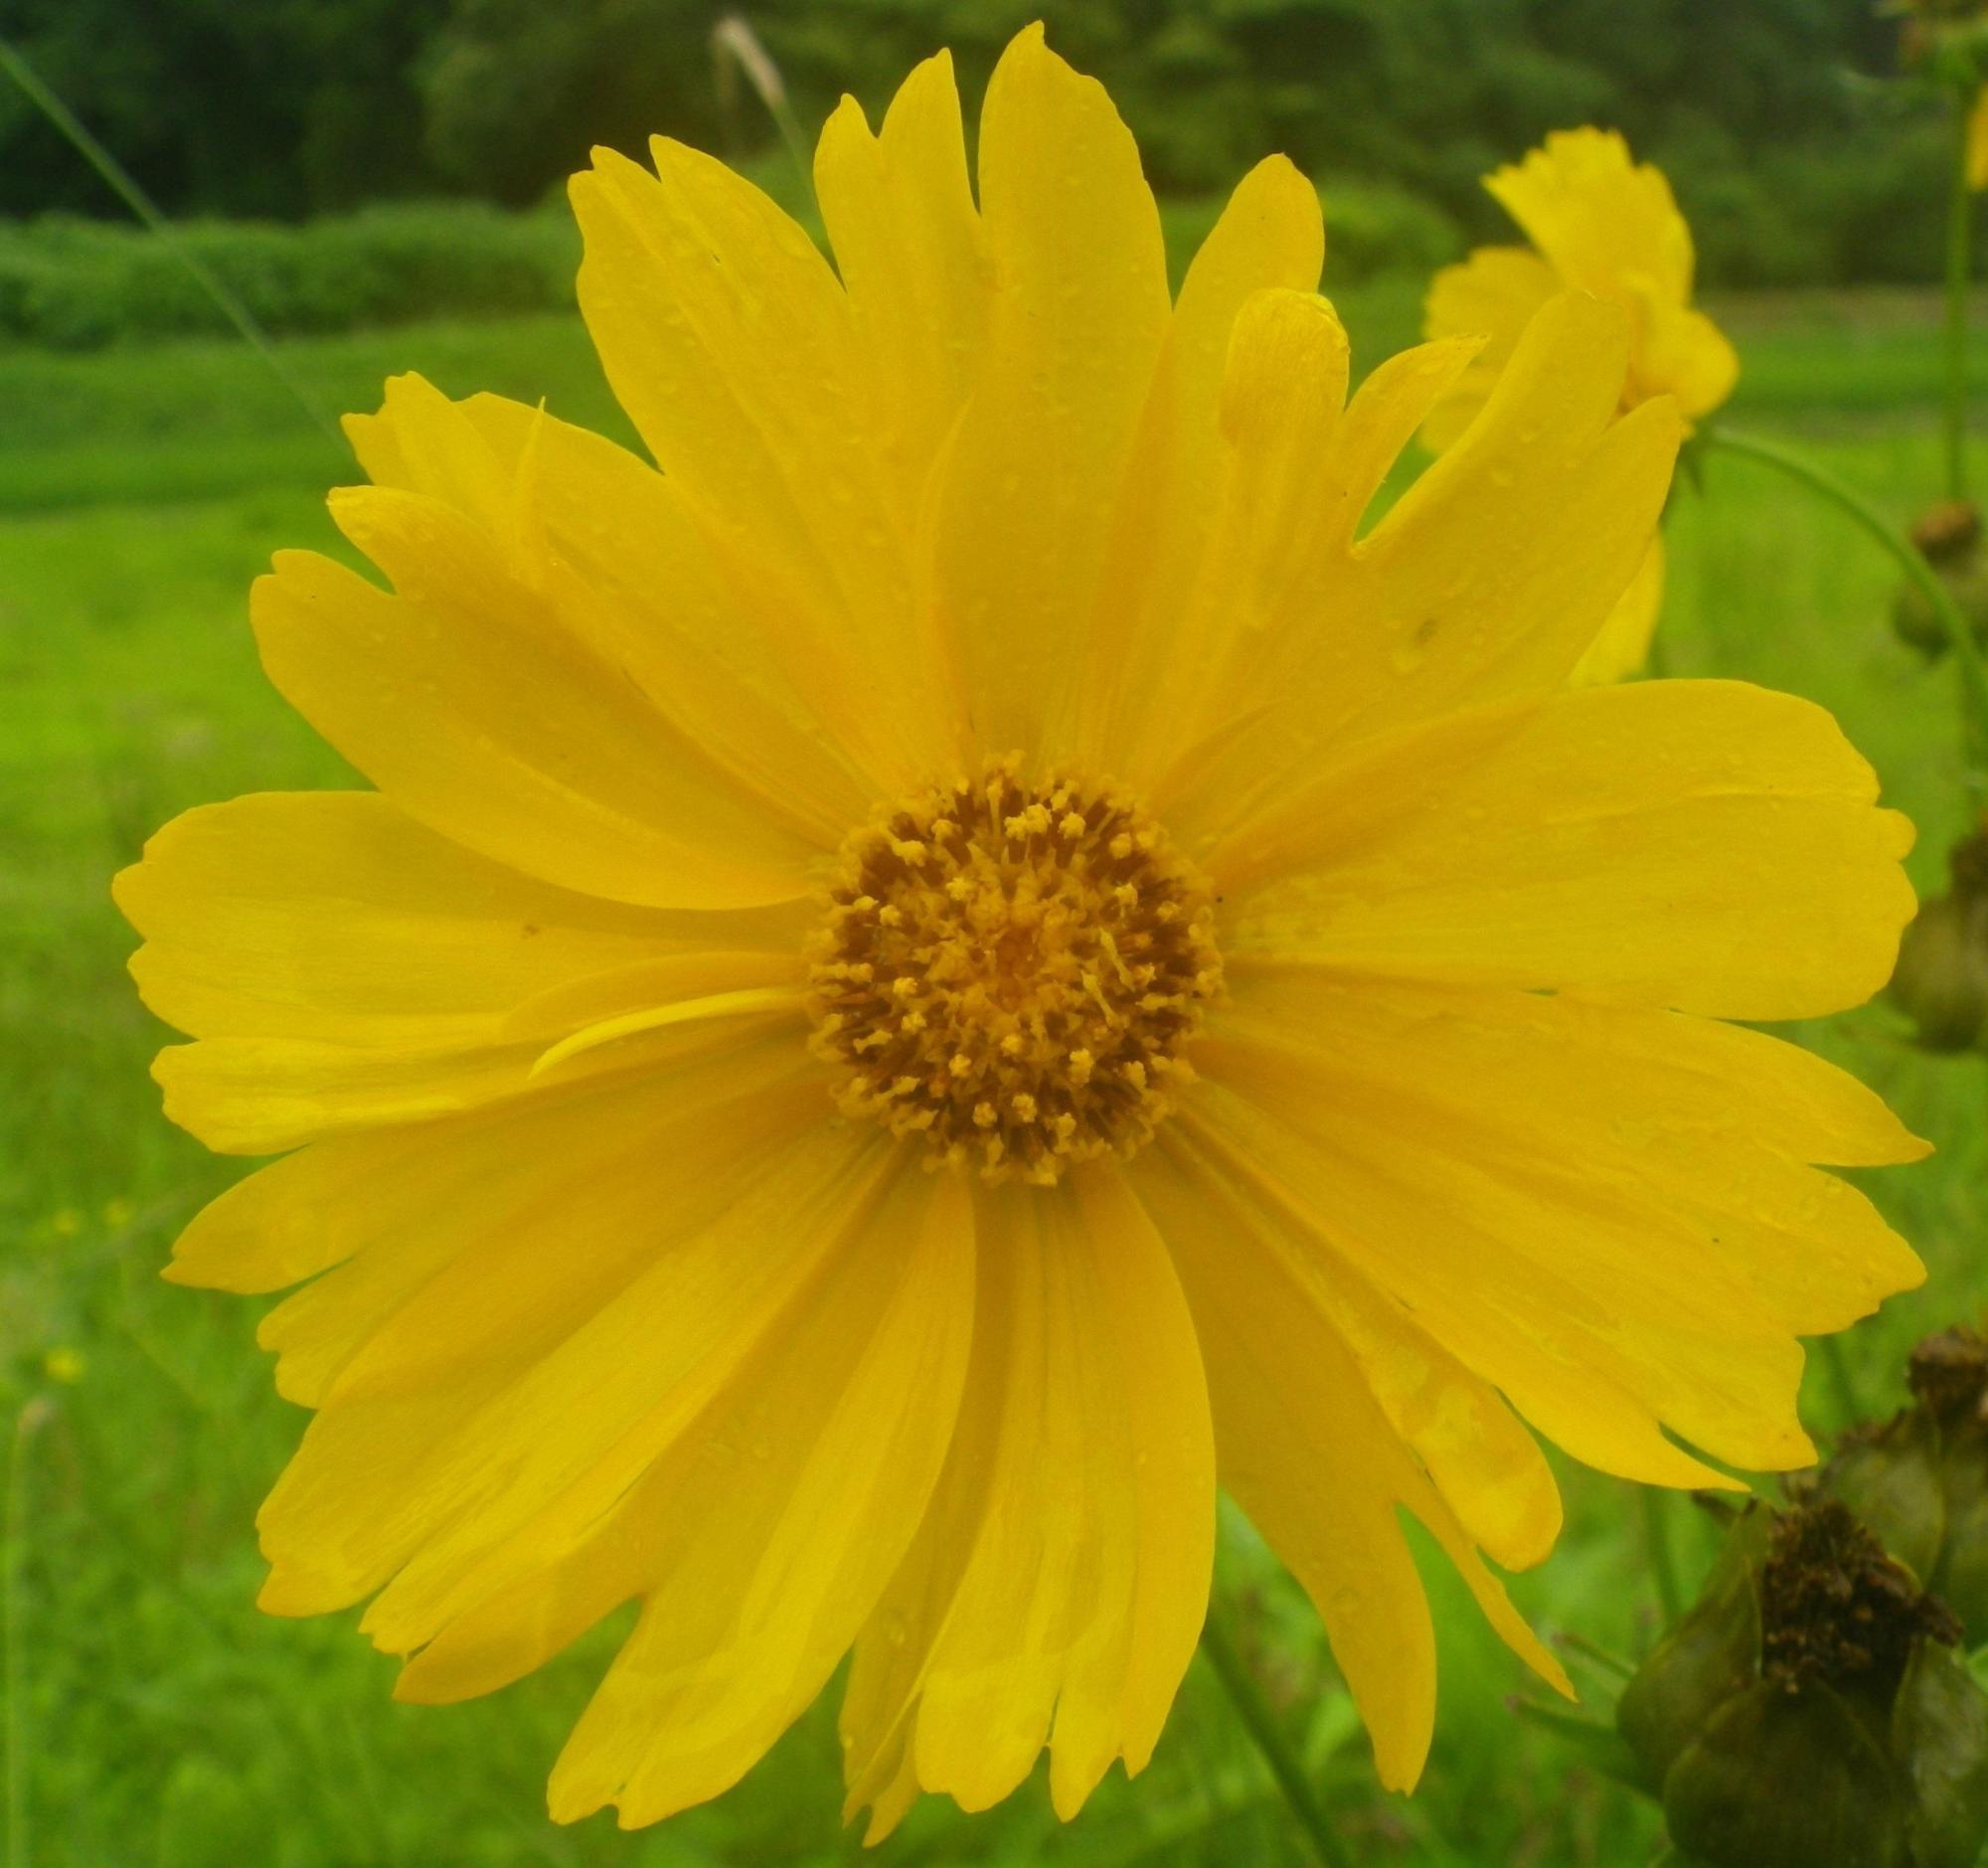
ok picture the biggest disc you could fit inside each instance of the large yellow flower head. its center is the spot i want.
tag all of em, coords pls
(967, 956)
(1598, 223)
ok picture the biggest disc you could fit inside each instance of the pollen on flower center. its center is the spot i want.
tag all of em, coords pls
(1010, 970)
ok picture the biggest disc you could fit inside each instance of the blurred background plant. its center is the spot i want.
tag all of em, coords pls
(288, 110)
(376, 182)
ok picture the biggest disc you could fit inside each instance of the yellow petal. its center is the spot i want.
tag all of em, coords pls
(1486, 581)
(1606, 224)
(1287, 495)
(1706, 845)
(1977, 141)
(1682, 353)
(1492, 295)
(1311, 1455)
(1623, 645)
(587, 1000)
(417, 1188)
(1491, 573)
(614, 549)
(738, 358)
(909, 245)
(1383, 413)
(1628, 1232)
(342, 967)
(764, 1536)
(333, 915)
(1080, 315)
(464, 698)
(491, 1375)
(1487, 1467)
(1139, 653)
(1057, 1588)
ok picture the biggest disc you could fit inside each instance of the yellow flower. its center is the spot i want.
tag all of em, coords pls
(1602, 224)
(973, 954)
(1977, 141)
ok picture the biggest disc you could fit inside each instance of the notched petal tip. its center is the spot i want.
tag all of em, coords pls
(1029, 59)
(286, 1595)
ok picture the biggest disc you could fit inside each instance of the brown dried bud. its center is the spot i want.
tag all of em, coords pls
(1808, 1710)
(1947, 1374)
(1920, 1481)
(1950, 537)
(1947, 531)
(1835, 1608)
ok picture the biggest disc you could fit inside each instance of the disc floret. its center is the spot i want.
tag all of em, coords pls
(1009, 972)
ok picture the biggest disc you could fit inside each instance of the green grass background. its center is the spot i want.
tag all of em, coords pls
(154, 1716)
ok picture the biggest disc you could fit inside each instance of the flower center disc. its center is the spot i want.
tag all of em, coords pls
(1009, 972)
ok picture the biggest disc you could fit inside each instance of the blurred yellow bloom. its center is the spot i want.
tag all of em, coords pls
(1977, 141)
(64, 1365)
(1598, 223)
(780, 1135)
(65, 1221)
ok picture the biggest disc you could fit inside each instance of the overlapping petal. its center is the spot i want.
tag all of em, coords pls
(1055, 1590)
(1624, 644)
(1566, 845)
(912, 256)
(1629, 1235)
(742, 361)
(763, 1539)
(1135, 653)
(617, 551)
(1486, 582)
(1330, 1414)
(342, 966)
(1080, 318)
(1492, 296)
(469, 696)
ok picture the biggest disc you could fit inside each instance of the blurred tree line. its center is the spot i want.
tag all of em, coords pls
(1791, 165)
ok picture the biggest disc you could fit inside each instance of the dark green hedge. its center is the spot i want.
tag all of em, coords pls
(74, 285)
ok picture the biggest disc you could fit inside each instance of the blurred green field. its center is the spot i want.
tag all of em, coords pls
(154, 1714)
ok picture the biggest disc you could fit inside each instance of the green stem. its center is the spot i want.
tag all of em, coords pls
(733, 38)
(1836, 1359)
(1286, 1766)
(121, 182)
(1825, 485)
(1595, 1651)
(1959, 270)
(1663, 1564)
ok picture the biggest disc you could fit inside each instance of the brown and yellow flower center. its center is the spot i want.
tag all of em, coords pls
(1011, 970)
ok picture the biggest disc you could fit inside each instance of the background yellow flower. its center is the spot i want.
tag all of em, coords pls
(1598, 223)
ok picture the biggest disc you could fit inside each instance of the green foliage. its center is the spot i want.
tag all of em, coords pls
(74, 285)
(1790, 171)
(278, 107)
(517, 91)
